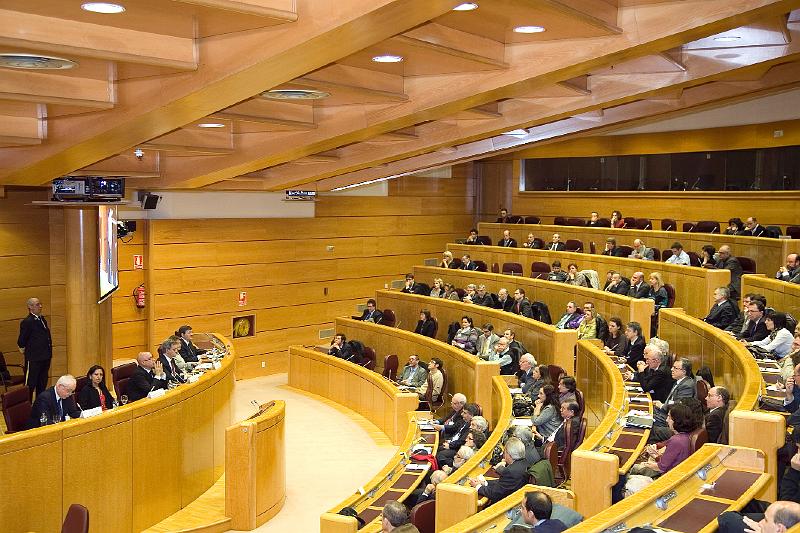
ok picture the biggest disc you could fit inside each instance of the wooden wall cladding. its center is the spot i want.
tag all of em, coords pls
(781, 295)
(129, 329)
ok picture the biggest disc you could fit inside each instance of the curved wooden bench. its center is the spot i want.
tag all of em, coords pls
(165, 451)
(768, 254)
(545, 342)
(694, 287)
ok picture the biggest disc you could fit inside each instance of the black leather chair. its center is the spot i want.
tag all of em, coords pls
(77, 519)
(669, 224)
(16, 409)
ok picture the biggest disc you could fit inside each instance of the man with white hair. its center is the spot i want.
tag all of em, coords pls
(779, 517)
(36, 345)
(513, 478)
(525, 374)
(640, 251)
(451, 423)
(502, 354)
(652, 374)
(482, 297)
(55, 404)
(430, 489)
(507, 241)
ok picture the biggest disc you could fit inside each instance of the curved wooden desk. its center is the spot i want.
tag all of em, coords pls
(781, 295)
(694, 287)
(364, 391)
(768, 254)
(555, 295)
(545, 342)
(131, 467)
(465, 372)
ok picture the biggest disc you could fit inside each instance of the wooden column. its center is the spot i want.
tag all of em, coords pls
(86, 343)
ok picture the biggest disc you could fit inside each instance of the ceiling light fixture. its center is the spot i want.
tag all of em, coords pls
(727, 38)
(387, 58)
(105, 8)
(211, 125)
(529, 29)
(295, 94)
(35, 62)
(466, 6)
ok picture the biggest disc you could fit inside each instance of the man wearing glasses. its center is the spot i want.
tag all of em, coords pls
(55, 404)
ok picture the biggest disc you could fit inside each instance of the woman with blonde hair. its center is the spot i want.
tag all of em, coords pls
(438, 288)
(657, 291)
(447, 260)
(587, 329)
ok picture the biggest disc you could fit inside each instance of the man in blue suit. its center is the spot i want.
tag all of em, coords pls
(536, 509)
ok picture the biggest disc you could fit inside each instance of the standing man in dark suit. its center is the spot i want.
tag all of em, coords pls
(507, 241)
(148, 376)
(371, 314)
(513, 477)
(54, 404)
(522, 306)
(188, 351)
(723, 312)
(35, 343)
(717, 403)
(169, 349)
(556, 245)
(537, 507)
(728, 262)
(639, 289)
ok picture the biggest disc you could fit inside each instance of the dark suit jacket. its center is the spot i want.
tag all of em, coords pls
(757, 231)
(45, 403)
(614, 252)
(561, 435)
(634, 352)
(735, 267)
(508, 305)
(89, 398)
(34, 337)
(714, 424)
(171, 376)
(416, 288)
(190, 352)
(657, 382)
(425, 327)
(686, 389)
(722, 315)
(513, 478)
(469, 266)
(756, 331)
(641, 292)
(622, 287)
(560, 246)
(550, 526)
(451, 423)
(141, 383)
(510, 243)
(377, 316)
(523, 308)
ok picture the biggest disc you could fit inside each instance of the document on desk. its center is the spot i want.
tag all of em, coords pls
(414, 467)
(522, 422)
(425, 425)
(633, 388)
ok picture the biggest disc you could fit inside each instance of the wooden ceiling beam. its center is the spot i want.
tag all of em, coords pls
(73, 38)
(274, 9)
(289, 125)
(38, 87)
(648, 29)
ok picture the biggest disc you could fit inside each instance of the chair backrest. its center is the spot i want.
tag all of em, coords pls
(550, 452)
(697, 438)
(560, 221)
(457, 262)
(540, 266)
(669, 224)
(707, 226)
(121, 387)
(532, 220)
(688, 226)
(576, 222)
(77, 519)
(512, 268)
(484, 239)
(592, 247)
(581, 401)
(694, 259)
(626, 250)
(461, 293)
(630, 222)
(423, 516)
(389, 318)
(748, 265)
(555, 372)
(604, 222)
(435, 327)
(702, 390)
(369, 358)
(80, 383)
(657, 254)
(118, 373)
(573, 245)
(666, 254)
(538, 243)
(481, 266)
(793, 232)
(515, 219)
(644, 223)
(774, 231)
(495, 268)
(16, 408)
(390, 364)
(670, 294)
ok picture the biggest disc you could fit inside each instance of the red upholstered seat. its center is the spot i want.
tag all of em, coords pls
(389, 318)
(669, 224)
(119, 373)
(644, 223)
(514, 269)
(369, 358)
(560, 221)
(77, 519)
(495, 268)
(540, 270)
(748, 265)
(670, 294)
(423, 516)
(707, 226)
(481, 266)
(484, 240)
(576, 222)
(697, 438)
(14, 379)
(573, 245)
(532, 220)
(16, 409)
(515, 219)
(390, 364)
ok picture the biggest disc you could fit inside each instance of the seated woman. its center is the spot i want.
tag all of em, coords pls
(426, 325)
(450, 292)
(790, 361)
(681, 421)
(95, 393)
(567, 387)
(447, 260)
(735, 226)
(614, 342)
(707, 256)
(587, 329)
(467, 337)
(657, 291)
(778, 344)
(616, 220)
(574, 277)
(546, 415)
(435, 377)
(438, 288)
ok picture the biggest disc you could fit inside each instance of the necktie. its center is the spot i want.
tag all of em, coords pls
(60, 411)
(553, 247)
(172, 367)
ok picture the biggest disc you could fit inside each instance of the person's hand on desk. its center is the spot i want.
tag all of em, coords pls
(437, 427)
(475, 482)
(657, 404)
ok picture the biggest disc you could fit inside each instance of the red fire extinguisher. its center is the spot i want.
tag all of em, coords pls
(138, 296)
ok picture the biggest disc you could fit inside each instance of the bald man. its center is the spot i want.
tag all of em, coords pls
(36, 345)
(790, 272)
(778, 518)
(148, 376)
(729, 262)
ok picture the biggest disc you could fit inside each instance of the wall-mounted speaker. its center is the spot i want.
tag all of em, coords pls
(149, 200)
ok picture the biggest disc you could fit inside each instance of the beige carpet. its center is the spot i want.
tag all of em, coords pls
(331, 451)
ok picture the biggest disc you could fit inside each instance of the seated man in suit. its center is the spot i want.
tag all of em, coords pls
(168, 350)
(413, 374)
(639, 289)
(618, 284)
(486, 341)
(504, 301)
(537, 510)
(148, 376)
(513, 478)
(429, 493)
(188, 352)
(531, 242)
(640, 251)
(556, 274)
(790, 272)
(412, 287)
(652, 374)
(337, 344)
(611, 248)
(717, 403)
(55, 404)
(571, 318)
(522, 306)
(450, 445)
(371, 314)
(723, 312)
(569, 412)
(482, 297)
(507, 241)
(556, 245)
(684, 387)
(449, 424)
(594, 219)
(503, 218)
(756, 327)
(525, 376)
(753, 228)
(779, 517)
(633, 351)
(467, 264)
(394, 517)
(472, 238)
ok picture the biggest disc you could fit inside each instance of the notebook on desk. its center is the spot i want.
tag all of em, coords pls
(639, 422)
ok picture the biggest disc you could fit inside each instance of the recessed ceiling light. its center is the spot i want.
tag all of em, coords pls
(727, 38)
(102, 7)
(466, 6)
(529, 29)
(388, 58)
(211, 125)
(35, 62)
(295, 94)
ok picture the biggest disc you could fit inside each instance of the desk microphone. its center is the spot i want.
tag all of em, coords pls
(647, 226)
(690, 229)
(254, 403)
(79, 405)
(716, 229)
